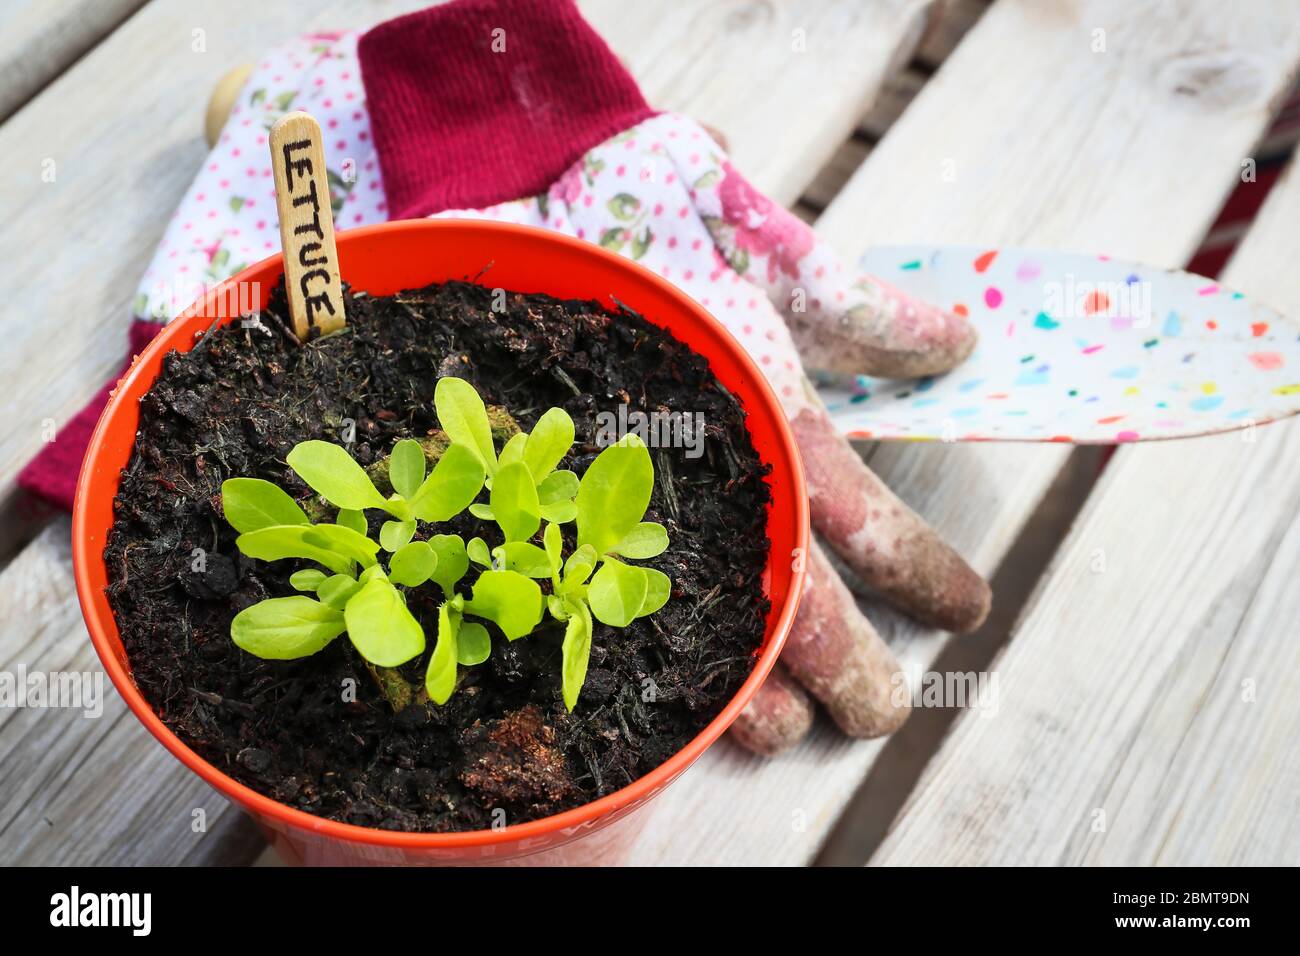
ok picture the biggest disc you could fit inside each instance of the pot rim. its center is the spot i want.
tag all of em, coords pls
(100, 621)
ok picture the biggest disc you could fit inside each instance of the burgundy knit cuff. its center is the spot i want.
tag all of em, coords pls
(477, 101)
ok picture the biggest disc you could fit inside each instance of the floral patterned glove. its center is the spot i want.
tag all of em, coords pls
(520, 113)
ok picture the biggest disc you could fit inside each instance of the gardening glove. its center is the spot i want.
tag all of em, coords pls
(519, 112)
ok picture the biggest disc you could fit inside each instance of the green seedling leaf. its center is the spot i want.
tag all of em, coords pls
(454, 482)
(559, 512)
(412, 564)
(614, 494)
(355, 520)
(374, 571)
(399, 507)
(514, 502)
(481, 511)
(512, 451)
(549, 442)
(511, 600)
(578, 568)
(406, 467)
(342, 541)
(395, 535)
(334, 475)
(576, 652)
(557, 486)
(527, 559)
(337, 590)
(463, 417)
(440, 677)
(554, 543)
(281, 629)
(616, 593)
(658, 588)
(380, 625)
(251, 504)
(646, 540)
(473, 644)
(452, 561)
(288, 541)
(477, 550)
(556, 605)
(308, 579)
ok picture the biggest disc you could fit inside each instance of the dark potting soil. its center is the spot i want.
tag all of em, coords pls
(316, 733)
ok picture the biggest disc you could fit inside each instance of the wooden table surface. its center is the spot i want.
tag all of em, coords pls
(1146, 711)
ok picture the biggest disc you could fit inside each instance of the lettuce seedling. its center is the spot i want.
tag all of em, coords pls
(612, 499)
(463, 417)
(508, 599)
(453, 483)
(359, 597)
(356, 595)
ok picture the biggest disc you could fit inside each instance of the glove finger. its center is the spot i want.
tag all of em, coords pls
(879, 537)
(835, 653)
(884, 332)
(841, 320)
(777, 718)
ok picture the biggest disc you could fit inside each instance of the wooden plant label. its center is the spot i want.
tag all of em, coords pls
(302, 198)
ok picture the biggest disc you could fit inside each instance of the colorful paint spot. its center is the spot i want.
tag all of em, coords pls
(1096, 301)
(1266, 361)
(1032, 377)
(993, 297)
(983, 262)
(1027, 270)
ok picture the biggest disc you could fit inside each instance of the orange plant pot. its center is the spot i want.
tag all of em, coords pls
(382, 260)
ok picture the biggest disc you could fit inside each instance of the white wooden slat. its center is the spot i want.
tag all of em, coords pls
(945, 26)
(785, 82)
(1056, 146)
(39, 38)
(1150, 700)
(159, 131)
